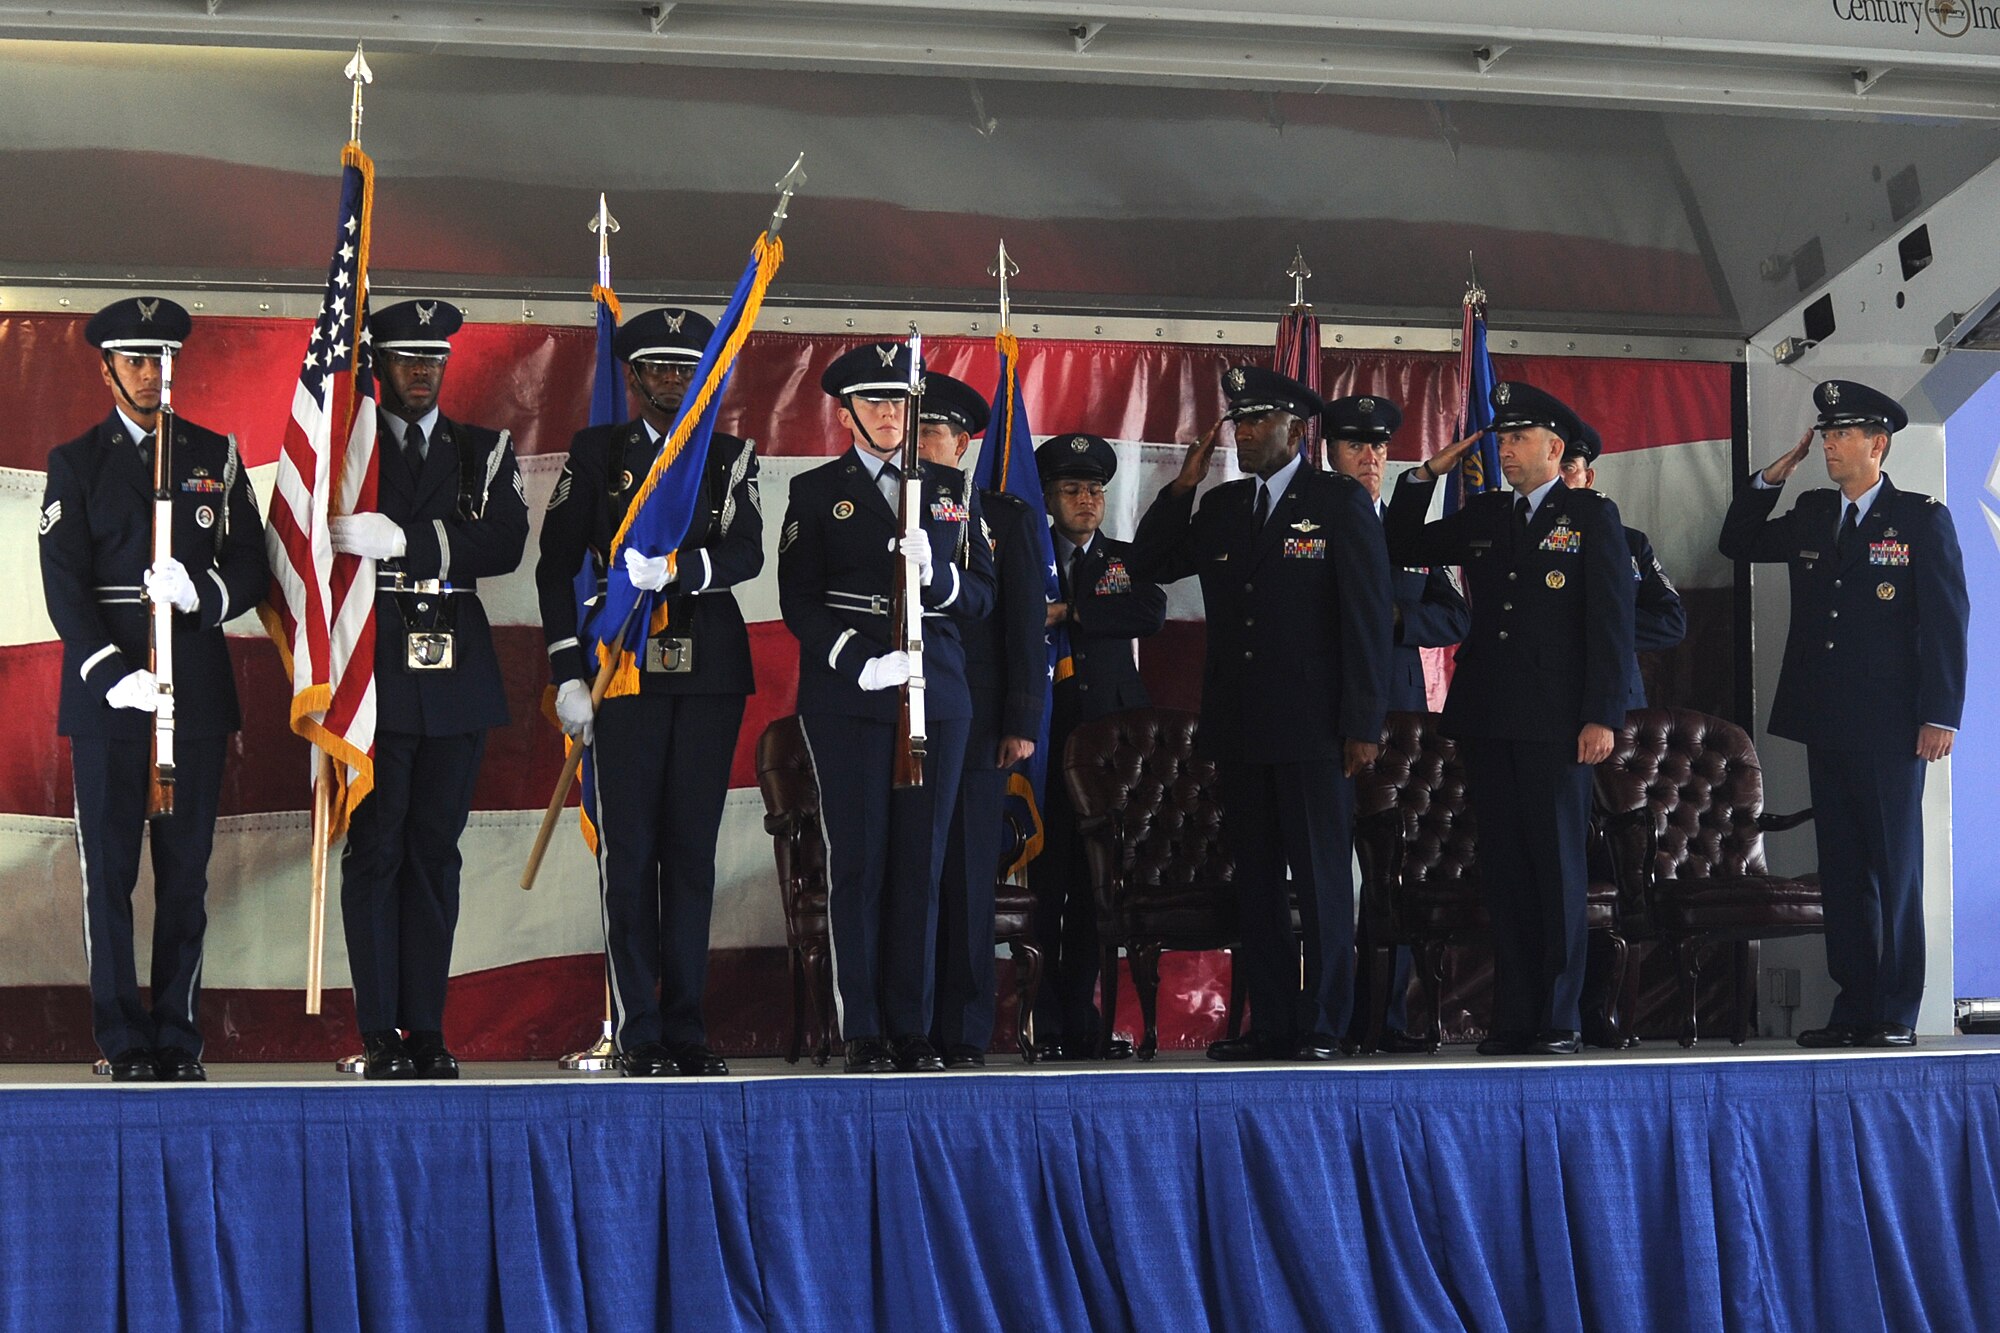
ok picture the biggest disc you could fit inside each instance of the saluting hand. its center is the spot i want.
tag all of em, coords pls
(1593, 743)
(1200, 456)
(1444, 460)
(1933, 743)
(1790, 459)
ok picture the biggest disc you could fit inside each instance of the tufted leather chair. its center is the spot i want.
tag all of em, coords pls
(1147, 810)
(791, 816)
(1682, 802)
(1417, 842)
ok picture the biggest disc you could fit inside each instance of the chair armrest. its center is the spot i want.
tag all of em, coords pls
(1770, 823)
(1624, 819)
(1096, 824)
(784, 824)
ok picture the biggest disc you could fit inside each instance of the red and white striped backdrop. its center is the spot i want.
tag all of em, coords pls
(527, 978)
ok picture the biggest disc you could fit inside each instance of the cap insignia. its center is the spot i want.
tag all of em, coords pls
(887, 351)
(1236, 379)
(1832, 392)
(425, 312)
(147, 309)
(674, 322)
(1502, 392)
(1079, 444)
(1366, 405)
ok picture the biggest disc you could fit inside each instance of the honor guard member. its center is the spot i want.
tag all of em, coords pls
(662, 756)
(1659, 621)
(1873, 685)
(451, 510)
(100, 582)
(1006, 672)
(1537, 695)
(1106, 611)
(840, 555)
(1295, 579)
(1429, 613)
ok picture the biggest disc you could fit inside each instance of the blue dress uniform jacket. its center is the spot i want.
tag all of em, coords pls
(839, 545)
(96, 544)
(660, 774)
(1877, 650)
(724, 547)
(1551, 649)
(460, 548)
(1299, 617)
(1877, 646)
(1659, 621)
(1430, 613)
(1110, 607)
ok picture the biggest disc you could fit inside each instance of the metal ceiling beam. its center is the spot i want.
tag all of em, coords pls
(1718, 54)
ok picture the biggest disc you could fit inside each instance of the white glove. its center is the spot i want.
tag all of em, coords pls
(573, 710)
(885, 672)
(168, 581)
(647, 572)
(917, 546)
(370, 536)
(140, 690)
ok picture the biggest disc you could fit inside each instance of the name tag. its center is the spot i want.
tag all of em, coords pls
(1114, 580)
(949, 511)
(1563, 538)
(1305, 548)
(1888, 553)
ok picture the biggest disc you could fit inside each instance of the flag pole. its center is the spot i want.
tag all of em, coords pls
(358, 74)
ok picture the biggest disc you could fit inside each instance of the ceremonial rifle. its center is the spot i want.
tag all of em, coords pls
(907, 606)
(160, 635)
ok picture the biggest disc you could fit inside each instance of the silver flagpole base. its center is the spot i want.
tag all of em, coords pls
(595, 1058)
(352, 1064)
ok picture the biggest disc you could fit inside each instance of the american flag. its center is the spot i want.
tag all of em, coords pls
(321, 610)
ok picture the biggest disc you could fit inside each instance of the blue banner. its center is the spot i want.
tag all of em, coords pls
(1479, 470)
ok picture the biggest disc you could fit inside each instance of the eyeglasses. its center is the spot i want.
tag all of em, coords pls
(390, 356)
(665, 370)
(1078, 490)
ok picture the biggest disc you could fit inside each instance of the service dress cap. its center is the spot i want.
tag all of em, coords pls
(139, 326)
(1518, 406)
(666, 334)
(1587, 445)
(1846, 403)
(955, 403)
(421, 328)
(1085, 457)
(1253, 391)
(872, 370)
(1361, 417)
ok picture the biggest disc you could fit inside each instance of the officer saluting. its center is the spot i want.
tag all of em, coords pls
(1537, 694)
(452, 510)
(96, 545)
(662, 756)
(1006, 672)
(1429, 613)
(1105, 611)
(840, 555)
(1873, 684)
(1295, 579)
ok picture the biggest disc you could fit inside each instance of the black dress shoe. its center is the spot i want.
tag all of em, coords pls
(134, 1066)
(869, 1055)
(383, 1055)
(1321, 1046)
(1252, 1046)
(1831, 1037)
(1055, 1053)
(177, 1064)
(1505, 1043)
(649, 1059)
(1556, 1041)
(427, 1052)
(1889, 1034)
(1397, 1042)
(696, 1060)
(1119, 1049)
(965, 1057)
(916, 1055)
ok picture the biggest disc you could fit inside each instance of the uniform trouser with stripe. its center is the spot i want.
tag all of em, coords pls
(112, 780)
(1298, 816)
(659, 776)
(965, 998)
(1868, 819)
(884, 857)
(1532, 801)
(399, 878)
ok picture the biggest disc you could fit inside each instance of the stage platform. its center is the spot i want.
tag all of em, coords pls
(1767, 1188)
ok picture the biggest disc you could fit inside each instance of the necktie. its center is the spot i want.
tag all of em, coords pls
(146, 449)
(1850, 526)
(413, 450)
(1520, 516)
(1075, 560)
(890, 479)
(1263, 511)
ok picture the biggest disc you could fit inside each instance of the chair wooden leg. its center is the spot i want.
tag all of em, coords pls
(1239, 991)
(1618, 1009)
(796, 966)
(1107, 1009)
(1430, 966)
(1688, 956)
(1146, 980)
(820, 962)
(1027, 984)
(1381, 980)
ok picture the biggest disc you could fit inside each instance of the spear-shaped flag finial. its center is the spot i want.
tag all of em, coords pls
(357, 73)
(1475, 295)
(787, 187)
(1298, 273)
(602, 224)
(1003, 267)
